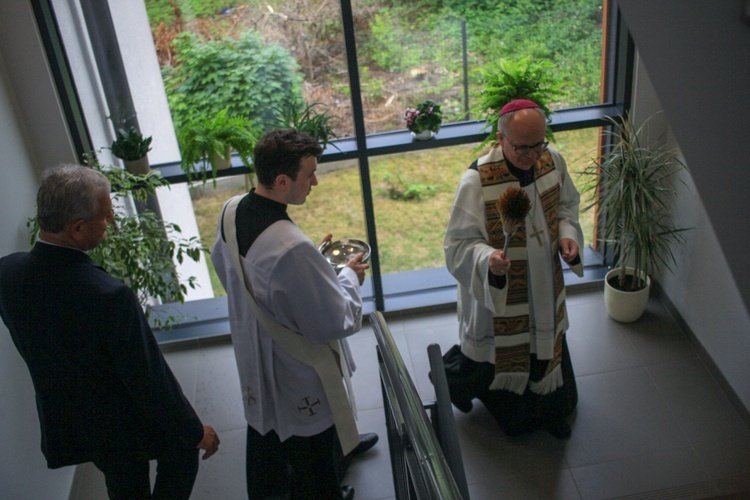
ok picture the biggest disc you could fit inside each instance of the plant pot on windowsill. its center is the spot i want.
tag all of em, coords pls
(138, 167)
(132, 148)
(424, 135)
(222, 162)
(313, 119)
(209, 140)
(625, 305)
(424, 120)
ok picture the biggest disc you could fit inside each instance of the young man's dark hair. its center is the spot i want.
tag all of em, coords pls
(280, 151)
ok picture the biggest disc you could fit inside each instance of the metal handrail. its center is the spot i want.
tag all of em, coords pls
(430, 474)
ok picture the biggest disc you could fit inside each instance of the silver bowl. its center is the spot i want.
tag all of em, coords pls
(339, 252)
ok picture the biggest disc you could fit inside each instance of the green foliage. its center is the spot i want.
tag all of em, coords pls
(296, 114)
(633, 181)
(125, 184)
(566, 33)
(414, 53)
(162, 10)
(393, 46)
(425, 116)
(508, 80)
(140, 250)
(137, 253)
(245, 76)
(411, 50)
(397, 189)
(130, 145)
(210, 138)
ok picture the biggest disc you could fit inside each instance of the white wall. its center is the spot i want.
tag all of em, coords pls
(696, 56)
(23, 112)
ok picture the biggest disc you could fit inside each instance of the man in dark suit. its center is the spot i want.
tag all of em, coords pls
(104, 392)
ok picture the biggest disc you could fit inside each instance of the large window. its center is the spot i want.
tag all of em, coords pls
(365, 62)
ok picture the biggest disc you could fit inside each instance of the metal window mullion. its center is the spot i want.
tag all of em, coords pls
(59, 65)
(347, 18)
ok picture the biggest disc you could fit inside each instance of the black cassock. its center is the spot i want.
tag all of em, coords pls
(516, 414)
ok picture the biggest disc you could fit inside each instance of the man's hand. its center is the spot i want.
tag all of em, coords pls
(568, 250)
(328, 237)
(499, 265)
(210, 441)
(359, 267)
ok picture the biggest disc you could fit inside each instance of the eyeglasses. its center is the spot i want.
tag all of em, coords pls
(538, 148)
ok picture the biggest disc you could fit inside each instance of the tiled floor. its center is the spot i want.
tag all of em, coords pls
(651, 421)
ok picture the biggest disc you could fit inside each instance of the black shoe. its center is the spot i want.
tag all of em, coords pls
(465, 405)
(559, 428)
(366, 441)
(347, 492)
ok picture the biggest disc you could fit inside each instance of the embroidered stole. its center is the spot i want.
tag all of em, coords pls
(513, 330)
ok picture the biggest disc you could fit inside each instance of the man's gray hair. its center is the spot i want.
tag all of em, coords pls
(502, 122)
(68, 193)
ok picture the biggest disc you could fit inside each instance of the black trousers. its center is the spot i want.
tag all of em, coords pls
(298, 468)
(128, 478)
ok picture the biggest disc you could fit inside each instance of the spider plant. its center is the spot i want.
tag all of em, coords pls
(294, 113)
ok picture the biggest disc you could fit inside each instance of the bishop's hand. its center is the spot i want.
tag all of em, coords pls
(499, 265)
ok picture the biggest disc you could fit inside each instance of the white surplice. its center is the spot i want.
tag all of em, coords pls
(297, 287)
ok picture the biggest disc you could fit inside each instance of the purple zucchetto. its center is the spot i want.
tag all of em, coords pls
(518, 104)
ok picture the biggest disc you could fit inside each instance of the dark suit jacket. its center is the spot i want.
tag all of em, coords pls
(103, 388)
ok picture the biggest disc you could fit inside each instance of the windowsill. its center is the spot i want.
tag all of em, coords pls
(207, 320)
(401, 141)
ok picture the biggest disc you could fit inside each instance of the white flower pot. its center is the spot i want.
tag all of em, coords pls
(423, 135)
(222, 163)
(137, 167)
(625, 307)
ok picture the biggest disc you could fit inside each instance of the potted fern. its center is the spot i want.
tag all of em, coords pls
(132, 148)
(207, 144)
(634, 184)
(508, 80)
